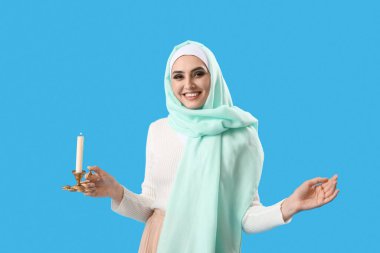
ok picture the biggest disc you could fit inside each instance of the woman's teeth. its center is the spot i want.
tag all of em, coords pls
(192, 95)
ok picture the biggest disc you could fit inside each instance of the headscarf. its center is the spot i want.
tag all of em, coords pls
(189, 49)
(219, 171)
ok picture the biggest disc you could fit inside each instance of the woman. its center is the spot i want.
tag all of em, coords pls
(203, 167)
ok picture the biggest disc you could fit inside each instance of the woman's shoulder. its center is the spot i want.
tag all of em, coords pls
(159, 125)
(159, 122)
(160, 130)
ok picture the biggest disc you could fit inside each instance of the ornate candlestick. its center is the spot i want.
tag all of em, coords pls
(78, 187)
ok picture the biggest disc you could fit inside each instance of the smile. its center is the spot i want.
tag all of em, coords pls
(192, 95)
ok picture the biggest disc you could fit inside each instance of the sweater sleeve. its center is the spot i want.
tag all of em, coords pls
(259, 218)
(138, 206)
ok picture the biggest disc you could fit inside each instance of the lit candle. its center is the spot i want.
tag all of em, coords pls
(80, 141)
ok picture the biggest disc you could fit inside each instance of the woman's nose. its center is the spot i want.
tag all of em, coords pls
(189, 83)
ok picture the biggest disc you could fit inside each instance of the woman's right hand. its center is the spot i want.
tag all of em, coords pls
(102, 184)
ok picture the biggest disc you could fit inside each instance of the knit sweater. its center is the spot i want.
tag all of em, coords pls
(164, 149)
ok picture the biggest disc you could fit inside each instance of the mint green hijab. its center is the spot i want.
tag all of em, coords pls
(219, 171)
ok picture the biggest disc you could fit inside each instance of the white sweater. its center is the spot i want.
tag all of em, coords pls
(164, 149)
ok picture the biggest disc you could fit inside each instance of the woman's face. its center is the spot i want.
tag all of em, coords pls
(190, 77)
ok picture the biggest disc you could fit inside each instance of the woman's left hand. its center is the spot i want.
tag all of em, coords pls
(310, 194)
(315, 192)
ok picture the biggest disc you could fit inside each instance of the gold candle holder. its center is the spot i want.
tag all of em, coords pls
(78, 187)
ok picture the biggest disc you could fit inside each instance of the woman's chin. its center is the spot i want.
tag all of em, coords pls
(193, 106)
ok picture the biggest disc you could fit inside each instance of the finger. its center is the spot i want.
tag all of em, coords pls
(334, 178)
(327, 184)
(89, 186)
(93, 177)
(96, 169)
(330, 183)
(330, 188)
(328, 199)
(331, 197)
(317, 180)
(88, 176)
(89, 192)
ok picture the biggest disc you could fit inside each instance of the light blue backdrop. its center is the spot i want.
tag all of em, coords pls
(308, 70)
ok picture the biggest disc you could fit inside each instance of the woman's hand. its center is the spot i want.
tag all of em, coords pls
(102, 184)
(310, 194)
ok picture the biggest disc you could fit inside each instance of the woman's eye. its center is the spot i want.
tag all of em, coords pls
(177, 77)
(199, 73)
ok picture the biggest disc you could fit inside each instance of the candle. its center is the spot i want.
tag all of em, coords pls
(80, 140)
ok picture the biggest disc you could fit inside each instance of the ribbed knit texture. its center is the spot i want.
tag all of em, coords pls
(164, 149)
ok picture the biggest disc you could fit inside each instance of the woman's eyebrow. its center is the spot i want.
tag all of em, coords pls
(197, 68)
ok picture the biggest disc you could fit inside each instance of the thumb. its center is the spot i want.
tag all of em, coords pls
(96, 169)
(317, 180)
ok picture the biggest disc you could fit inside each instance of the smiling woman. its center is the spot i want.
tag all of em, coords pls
(203, 168)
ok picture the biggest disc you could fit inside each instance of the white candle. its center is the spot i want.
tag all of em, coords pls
(80, 141)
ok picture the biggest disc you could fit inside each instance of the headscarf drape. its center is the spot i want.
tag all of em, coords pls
(219, 171)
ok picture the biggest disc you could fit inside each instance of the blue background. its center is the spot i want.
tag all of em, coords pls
(308, 70)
